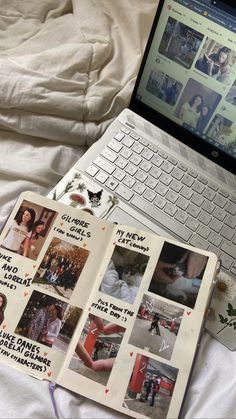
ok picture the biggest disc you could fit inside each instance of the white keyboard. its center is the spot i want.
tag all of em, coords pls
(171, 193)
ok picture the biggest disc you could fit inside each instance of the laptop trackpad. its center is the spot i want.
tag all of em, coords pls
(122, 217)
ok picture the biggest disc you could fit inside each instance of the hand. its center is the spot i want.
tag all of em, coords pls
(161, 276)
(195, 264)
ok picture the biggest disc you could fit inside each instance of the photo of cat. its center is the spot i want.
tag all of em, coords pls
(124, 274)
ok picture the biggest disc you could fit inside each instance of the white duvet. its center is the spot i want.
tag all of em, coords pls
(67, 68)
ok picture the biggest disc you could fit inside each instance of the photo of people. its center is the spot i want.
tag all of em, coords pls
(196, 105)
(3, 304)
(231, 95)
(150, 388)
(156, 327)
(217, 61)
(61, 267)
(49, 321)
(29, 230)
(164, 87)
(97, 349)
(180, 43)
(124, 274)
(178, 274)
(223, 131)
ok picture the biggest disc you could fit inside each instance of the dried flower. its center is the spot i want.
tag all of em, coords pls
(225, 288)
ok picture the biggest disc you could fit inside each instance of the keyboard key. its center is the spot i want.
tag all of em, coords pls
(155, 172)
(176, 186)
(157, 161)
(92, 170)
(119, 136)
(209, 194)
(135, 159)
(170, 209)
(124, 192)
(160, 202)
(230, 221)
(105, 165)
(204, 217)
(231, 208)
(186, 192)
(226, 261)
(177, 173)
(215, 239)
(121, 162)
(141, 176)
(192, 223)
(198, 187)
(161, 189)
(215, 225)
(126, 153)
(172, 196)
(219, 214)
(227, 232)
(147, 154)
(167, 167)
(131, 169)
(112, 184)
(193, 210)
(208, 206)
(145, 165)
(119, 174)
(137, 148)
(149, 195)
(127, 141)
(165, 178)
(204, 232)
(202, 180)
(229, 248)
(220, 201)
(109, 155)
(181, 216)
(197, 199)
(161, 218)
(151, 182)
(101, 177)
(182, 203)
(115, 145)
(187, 180)
(139, 188)
(197, 241)
(129, 181)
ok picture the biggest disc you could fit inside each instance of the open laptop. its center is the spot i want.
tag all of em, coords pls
(170, 158)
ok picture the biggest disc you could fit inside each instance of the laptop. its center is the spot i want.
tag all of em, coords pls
(170, 158)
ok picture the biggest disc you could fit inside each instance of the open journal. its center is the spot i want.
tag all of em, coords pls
(108, 311)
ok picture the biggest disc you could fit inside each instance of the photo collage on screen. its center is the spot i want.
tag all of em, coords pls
(208, 91)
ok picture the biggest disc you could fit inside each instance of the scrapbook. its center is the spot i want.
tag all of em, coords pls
(109, 311)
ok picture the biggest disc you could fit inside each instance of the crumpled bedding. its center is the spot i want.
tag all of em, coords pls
(67, 68)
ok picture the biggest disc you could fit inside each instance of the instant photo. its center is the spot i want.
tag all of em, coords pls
(97, 348)
(151, 386)
(124, 274)
(178, 274)
(156, 326)
(61, 267)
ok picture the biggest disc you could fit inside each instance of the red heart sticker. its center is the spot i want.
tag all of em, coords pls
(45, 353)
(106, 390)
(114, 243)
(103, 228)
(131, 353)
(61, 224)
(25, 293)
(49, 374)
(84, 245)
(4, 326)
(34, 266)
(188, 313)
(26, 274)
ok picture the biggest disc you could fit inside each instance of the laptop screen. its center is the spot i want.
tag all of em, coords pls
(187, 80)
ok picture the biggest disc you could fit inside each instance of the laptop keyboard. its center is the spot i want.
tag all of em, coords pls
(180, 200)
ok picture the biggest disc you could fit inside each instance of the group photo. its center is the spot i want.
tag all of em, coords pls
(96, 351)
(156, 327)
(61, 267)
(48, 321)
(29, 230)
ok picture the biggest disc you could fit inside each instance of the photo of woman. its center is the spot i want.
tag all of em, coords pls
(3, 304)
(215, 64)
(28, 230)
(190, 111)
(20, 232)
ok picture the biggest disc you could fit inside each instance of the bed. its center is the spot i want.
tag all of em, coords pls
(67, 68)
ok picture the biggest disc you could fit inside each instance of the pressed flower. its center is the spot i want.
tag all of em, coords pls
(225, 288)
(76, 199)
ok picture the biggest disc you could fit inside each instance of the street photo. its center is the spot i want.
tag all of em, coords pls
(96, 351)
(150, 387)
(156, 326)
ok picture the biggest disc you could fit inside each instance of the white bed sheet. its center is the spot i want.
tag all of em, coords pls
(67, 68)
